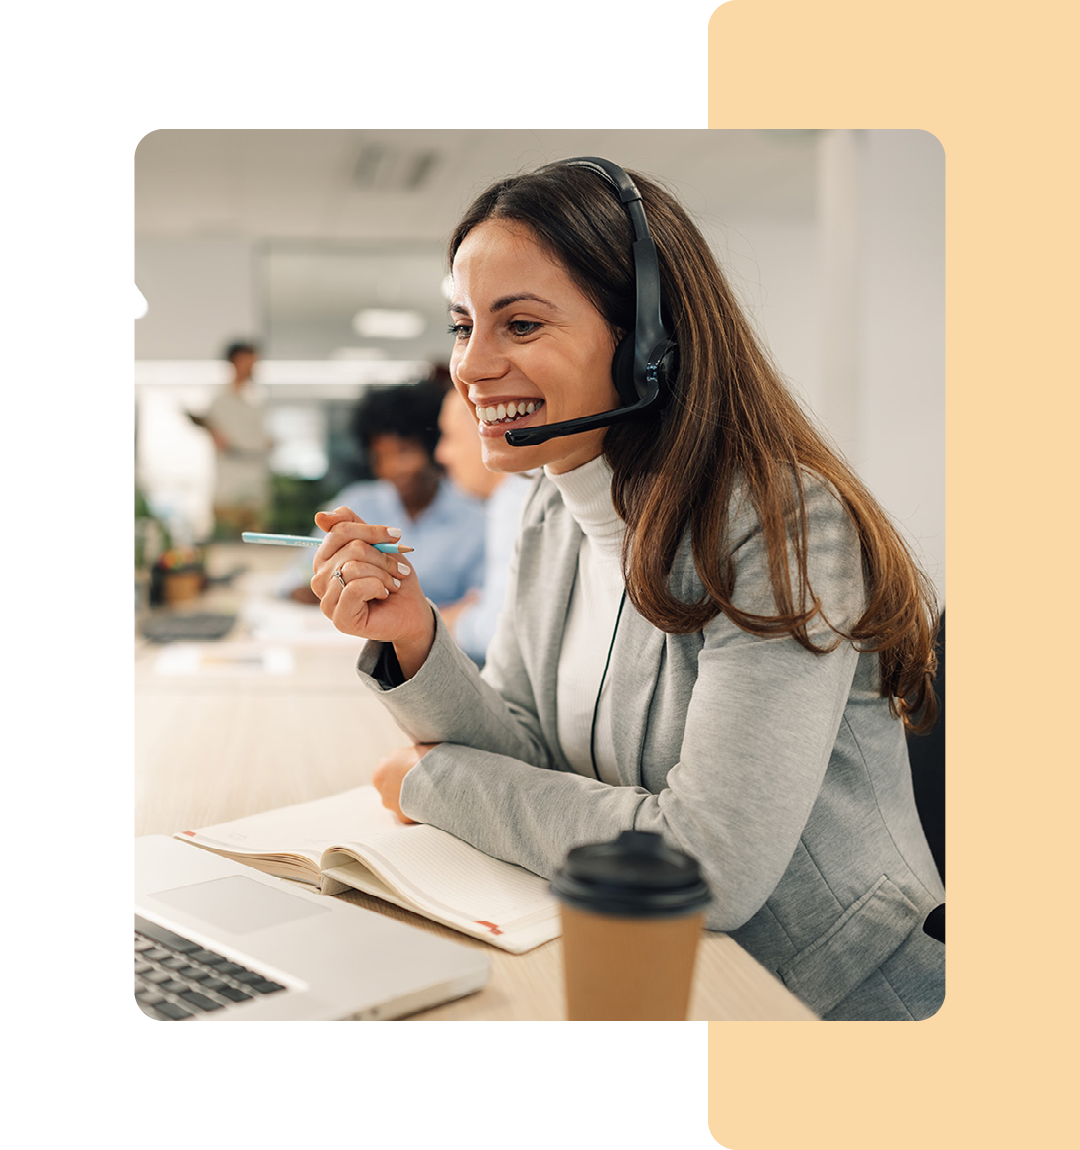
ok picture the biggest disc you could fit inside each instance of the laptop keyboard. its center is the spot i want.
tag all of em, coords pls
(176, 978)
(190, 627)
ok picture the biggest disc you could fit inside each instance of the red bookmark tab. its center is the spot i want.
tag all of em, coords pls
(490, 925)
(191, 833)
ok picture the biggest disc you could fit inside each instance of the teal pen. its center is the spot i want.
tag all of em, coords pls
(308, 541)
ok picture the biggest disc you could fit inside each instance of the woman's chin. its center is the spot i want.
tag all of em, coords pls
(499, 456)
(559, 454)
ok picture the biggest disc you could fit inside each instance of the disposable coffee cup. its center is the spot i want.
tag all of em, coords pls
(632, 915)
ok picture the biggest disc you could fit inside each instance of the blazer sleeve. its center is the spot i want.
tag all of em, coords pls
(449, 700)
(759, 730)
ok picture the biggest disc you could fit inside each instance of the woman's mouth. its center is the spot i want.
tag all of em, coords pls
(494, 418)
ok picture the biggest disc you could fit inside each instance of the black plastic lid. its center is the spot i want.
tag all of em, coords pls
(635, 876)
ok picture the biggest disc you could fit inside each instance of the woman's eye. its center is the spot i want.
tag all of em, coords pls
(522, 326)
(459, 330)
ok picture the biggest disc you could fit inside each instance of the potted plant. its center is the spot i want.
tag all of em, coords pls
(178, 574)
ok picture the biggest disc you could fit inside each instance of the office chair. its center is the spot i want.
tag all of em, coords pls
(927, 755)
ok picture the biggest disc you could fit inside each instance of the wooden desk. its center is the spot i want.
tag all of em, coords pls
(213, 747)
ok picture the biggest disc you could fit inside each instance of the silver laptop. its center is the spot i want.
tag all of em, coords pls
(217, 941)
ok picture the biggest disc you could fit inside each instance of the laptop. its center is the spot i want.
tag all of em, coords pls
(188, 626)
(218, 941)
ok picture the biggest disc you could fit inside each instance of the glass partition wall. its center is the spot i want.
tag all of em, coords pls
(334, 318)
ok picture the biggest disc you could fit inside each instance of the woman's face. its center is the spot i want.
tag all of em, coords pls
(458, 449)
(403, 462)
(526, 337)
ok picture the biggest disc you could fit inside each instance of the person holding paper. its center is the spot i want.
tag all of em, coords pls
(713, 631)
(237, 425)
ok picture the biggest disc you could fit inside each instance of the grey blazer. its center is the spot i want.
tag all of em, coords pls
(780, 770)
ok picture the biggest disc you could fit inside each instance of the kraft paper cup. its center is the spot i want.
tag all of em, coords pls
(632, 915)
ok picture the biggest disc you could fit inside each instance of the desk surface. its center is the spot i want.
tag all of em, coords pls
(228, 740)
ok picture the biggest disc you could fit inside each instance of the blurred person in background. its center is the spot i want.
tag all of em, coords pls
(472, 620)
(236, 423)
(398, 428)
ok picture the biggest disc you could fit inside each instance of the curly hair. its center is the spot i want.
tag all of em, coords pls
(408, 410)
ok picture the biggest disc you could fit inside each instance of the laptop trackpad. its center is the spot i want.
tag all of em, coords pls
(239, 904)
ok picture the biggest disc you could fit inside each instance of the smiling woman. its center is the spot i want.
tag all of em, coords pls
(712, 631)
(545, 350)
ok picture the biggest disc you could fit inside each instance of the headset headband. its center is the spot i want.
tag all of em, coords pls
(644, 360)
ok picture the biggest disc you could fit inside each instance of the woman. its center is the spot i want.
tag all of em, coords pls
(472, 620)
(711, 632)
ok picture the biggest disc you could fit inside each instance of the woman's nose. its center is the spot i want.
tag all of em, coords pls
(478, 359)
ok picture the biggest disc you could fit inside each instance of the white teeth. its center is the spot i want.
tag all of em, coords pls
(508, 411)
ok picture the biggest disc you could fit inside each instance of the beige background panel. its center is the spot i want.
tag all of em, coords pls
(993, 84)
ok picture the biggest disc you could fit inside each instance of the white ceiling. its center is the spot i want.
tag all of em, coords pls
(308, 184)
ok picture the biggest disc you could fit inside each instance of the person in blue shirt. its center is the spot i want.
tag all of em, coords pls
(398, 428)
(472, 620)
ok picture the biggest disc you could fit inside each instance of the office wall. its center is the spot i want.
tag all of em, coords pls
(774, 267)
(902, 415)
(202, 293)
(882, 315)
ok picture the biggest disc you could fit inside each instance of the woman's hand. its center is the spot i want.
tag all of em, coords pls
(388, 775)
(381, 598)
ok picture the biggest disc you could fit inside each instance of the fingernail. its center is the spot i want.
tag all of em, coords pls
(397, 582)
(403, 569)
(394, 532)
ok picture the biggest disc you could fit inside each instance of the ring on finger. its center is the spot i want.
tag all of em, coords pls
(337, 574)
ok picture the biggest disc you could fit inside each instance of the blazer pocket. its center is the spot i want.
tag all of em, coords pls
(864, 936)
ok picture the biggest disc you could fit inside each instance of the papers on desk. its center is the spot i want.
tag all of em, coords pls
(226, 659)
(280, 621)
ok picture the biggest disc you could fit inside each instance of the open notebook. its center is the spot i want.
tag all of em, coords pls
(351, 840)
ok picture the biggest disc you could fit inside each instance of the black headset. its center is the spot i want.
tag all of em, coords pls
(645, 361)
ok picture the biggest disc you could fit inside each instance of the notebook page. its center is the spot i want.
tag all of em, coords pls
(427, 865)
(455, 878)
(305, 829)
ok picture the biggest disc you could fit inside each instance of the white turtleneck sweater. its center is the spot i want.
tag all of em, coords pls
(590, 619)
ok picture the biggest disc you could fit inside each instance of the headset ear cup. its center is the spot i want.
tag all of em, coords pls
(669, 370)
(622, 370)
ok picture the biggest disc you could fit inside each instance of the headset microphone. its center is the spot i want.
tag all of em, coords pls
(644, 364)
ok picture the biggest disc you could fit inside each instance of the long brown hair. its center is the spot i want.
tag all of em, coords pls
(730, 423)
